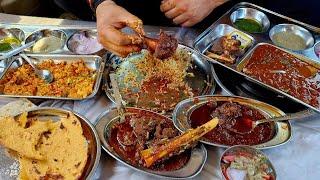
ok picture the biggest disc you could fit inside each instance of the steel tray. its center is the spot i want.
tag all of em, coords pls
(94, 62)
(204, 41)
(25, 32)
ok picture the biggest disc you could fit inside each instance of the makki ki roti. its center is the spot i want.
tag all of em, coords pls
(62, 146)
(22, 136)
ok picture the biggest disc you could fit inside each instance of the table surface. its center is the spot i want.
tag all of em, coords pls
(297, 159)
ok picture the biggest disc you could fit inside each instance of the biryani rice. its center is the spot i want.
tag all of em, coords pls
(164, 82)
(72, 80)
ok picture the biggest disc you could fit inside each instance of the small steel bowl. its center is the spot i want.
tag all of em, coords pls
(250, 150)
(282, 130)
(250, 13)
(14, 32)
(193, 167)
(88, 33)
(36, 36)
(295, 29)
(89, 132)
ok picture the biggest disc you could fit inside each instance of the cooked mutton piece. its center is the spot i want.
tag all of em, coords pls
(162, 48)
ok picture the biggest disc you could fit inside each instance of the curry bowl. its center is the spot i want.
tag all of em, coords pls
(89, 133)
(192, 112)
(109, 126)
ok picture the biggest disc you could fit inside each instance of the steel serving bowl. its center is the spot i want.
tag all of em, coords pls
(193, 167)
(250, 150)
(36, 36)
(251, 13)
(282, 130)
(295, 29)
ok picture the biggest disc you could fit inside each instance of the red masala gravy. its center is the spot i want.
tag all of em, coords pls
(129, 152)
(220, 135)
(286, 72)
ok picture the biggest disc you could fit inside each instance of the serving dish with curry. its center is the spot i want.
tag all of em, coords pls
(282, 54)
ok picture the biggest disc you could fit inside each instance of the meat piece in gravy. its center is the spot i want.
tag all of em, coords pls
(227, 114)
(164, 132)
(143, 128)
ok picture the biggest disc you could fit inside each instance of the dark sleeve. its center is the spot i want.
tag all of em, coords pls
(80, 8)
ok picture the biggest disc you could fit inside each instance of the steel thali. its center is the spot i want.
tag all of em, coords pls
(93, 62)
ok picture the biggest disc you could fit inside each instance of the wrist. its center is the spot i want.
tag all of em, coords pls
(95, 3)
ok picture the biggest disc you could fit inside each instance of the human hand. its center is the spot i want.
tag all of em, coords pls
(111, 18)
(188, 12)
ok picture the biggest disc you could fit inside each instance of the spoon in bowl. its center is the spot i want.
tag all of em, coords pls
(248, 125)
(117, 96)
(46, 75)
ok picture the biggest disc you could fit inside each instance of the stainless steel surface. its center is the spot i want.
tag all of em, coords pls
(202, 70)
(295, 29)
(93, 62)
(204, 41)
(44, 74)
(247, 149)
(193, 167)
(251, 13)
(182, 112)
(38, 35)
(89, 132)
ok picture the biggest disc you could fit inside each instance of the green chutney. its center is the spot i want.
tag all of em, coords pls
(5, 47)
(248, 25)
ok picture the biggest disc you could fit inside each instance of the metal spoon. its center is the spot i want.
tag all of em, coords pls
(46, 75)
(16, 50)
(253, 124)
(117, 96)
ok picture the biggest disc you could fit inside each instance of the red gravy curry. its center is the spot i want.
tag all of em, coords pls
(137, 132)
(286, 72)
(235, 114)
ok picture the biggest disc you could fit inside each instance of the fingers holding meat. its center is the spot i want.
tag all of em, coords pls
(111, 18)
